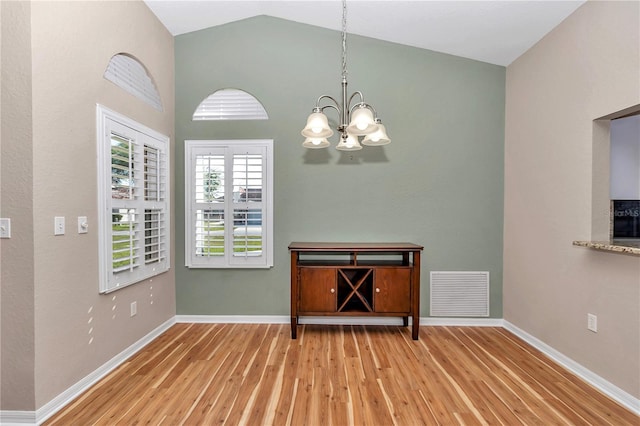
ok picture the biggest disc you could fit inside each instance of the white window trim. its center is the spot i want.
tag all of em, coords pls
(229, 262)
(108, 281)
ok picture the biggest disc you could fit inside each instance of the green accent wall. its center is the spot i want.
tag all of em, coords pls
(439, 183)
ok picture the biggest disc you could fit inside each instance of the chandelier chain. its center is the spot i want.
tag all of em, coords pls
(344, 38)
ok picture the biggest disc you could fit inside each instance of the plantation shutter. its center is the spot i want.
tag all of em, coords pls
(134, 216)
(129, 74)
(155, 195)
(208, 206)
(228, 199)
(230, 104)
(248, 206)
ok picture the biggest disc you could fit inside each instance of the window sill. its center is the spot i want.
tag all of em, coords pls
(631, 247)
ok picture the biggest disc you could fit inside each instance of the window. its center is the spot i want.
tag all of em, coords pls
(230, 104)
(133, 201)
(129, 74)
(605, 179)
(229, 204)
(625, 158)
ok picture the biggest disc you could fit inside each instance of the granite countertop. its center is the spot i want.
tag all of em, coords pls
(626, 247)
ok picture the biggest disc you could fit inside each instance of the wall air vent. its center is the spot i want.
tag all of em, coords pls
(459, 294)
(230, 104)
(129, 74)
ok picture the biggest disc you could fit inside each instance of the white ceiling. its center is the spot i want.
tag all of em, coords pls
(490, 31)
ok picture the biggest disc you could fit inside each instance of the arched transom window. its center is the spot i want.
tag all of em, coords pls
(230, 104)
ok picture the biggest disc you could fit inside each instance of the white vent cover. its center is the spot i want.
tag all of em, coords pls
(230, 104)
(459, 294)
(130, 75)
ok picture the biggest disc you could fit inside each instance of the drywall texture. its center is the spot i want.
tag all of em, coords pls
(586, 68)
(16, 258)
(438, 184)
(74, 329)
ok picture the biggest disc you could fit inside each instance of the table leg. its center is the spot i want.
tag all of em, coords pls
(294, 294)
(415, 287)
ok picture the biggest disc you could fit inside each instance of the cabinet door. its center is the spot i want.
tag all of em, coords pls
(317, 290)
(392, 290)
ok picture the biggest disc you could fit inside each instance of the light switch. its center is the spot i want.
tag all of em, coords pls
(83, 225)
(5, 228)
(58, 224)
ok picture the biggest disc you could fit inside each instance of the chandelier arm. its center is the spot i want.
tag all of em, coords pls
(322, 108)
(353, 95)
(331, 98)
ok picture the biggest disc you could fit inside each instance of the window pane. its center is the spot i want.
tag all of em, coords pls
(151, 173)
(209, 232)
(124, 240)
(209, 178)
(247, 232)
(247, 217)
(247, 177)
(154, 249)
(122, 175)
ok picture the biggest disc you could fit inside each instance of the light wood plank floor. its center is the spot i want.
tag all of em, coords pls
(248, 374)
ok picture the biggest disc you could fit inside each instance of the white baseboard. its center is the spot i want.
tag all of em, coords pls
(67, 396)
(17, 418)
(233, 319)
(424, 321)
(283, 319)
(461, 322)
(336, 320)
(604, 386)
(22, 418)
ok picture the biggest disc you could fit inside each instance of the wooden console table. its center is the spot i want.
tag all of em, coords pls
(355, 279)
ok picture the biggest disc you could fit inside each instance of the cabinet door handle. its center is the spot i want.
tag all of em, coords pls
(377, 290)
(333, 290)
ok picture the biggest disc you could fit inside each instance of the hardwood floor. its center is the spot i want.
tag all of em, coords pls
(247, 374)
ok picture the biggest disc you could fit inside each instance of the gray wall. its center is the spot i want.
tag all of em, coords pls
(439, 183)
(552, 164)
(17, 356)
(56, 327)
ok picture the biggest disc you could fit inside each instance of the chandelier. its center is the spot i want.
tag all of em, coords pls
(358, 120)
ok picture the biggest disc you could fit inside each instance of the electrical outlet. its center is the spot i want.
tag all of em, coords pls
(134, 308)
(5, 228)
(58, 224)
(592, 323)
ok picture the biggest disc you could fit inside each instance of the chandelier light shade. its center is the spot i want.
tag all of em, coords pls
(377, 138)
(317, 126)
(362, 122)
(349, 142)
(359, 119)
(316, 143)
